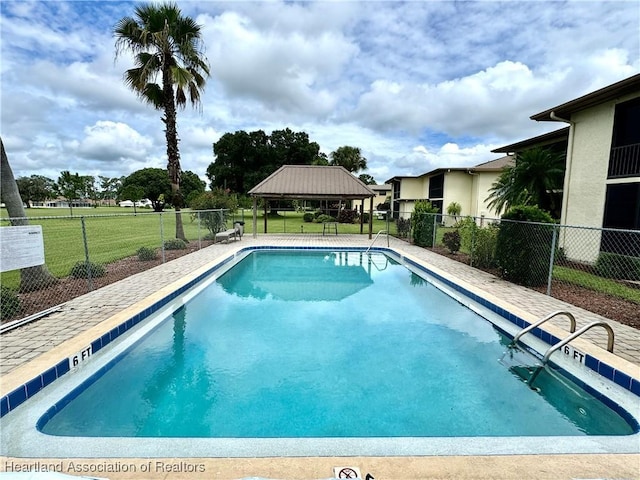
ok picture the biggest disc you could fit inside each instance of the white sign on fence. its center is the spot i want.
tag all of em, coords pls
(21, 247)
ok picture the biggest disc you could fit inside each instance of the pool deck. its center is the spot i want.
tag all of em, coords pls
(31, 347)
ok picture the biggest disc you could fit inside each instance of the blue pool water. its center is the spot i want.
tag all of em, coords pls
(324, 344)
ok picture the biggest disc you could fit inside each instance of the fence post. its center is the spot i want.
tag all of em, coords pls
(86, 255)
(199, 234)
(162, 237)
(473, 242)
(435, 223)
(552, 258)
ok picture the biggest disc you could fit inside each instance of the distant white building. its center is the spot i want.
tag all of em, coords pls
(145, 202)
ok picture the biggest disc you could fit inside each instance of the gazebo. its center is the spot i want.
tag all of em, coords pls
(311, 182)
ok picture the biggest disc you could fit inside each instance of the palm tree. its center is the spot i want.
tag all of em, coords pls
(349, 158)
(167, 47)
(536, 178)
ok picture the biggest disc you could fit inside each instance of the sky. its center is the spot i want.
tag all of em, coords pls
(415, 85)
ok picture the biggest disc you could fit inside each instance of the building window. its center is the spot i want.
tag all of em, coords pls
(621, 211)
(624, 159)
(436, 186)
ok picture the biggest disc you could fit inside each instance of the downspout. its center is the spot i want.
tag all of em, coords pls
(475, 201)
(567, 173)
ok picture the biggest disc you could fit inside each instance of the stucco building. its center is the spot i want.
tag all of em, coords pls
(602, 177)
(467, 186)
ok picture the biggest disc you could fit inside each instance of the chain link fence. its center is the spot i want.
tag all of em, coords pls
(537, 255)
(86, 252)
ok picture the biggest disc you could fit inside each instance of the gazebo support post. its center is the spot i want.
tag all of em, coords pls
(370, 217)
(255, 217)
(266, 209)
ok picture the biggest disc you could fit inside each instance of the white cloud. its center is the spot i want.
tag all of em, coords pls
(415, 85)
(108, 141)
(288, 72)
(493, 103)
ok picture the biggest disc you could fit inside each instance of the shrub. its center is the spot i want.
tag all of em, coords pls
(175, 244)
(479, 242)
(403, 226)
(84, 269)
(308, 217)
(454, 209)
(618, 267)
(451, 240)
(523, 249)
(9, 302)
(467, 228)
(422, 221)
(218, 200)
(146, 254)
(324, 218)
(347, 216)
(484, 251)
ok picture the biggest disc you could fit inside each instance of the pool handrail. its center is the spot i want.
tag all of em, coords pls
(572, 328)
(376, 237)
(561, 343)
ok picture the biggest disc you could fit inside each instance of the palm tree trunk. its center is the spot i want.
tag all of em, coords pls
(31, 278)
(173, 154)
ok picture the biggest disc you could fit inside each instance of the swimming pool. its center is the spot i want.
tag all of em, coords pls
(357, 273)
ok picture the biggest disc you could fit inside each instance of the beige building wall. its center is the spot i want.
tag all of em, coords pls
(457, 188)
(412, 188)
(586, 173)
(586, 181)
(482, 187)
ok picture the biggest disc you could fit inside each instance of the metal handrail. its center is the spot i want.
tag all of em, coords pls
(576, 334)
(376, 237)
(562, 343)
(572, 328)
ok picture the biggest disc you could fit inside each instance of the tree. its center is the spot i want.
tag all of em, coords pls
(245, 159)
(321, 159)
(35, 188)
(454, 209)
(133, 192)
(292, 148)
(71, 187)
(367, 179)
(109, 188)
(191, 185)
(31, 278)
(154, 183)
(536, 178)
(168, 46)
(89, 188)
(349, 158)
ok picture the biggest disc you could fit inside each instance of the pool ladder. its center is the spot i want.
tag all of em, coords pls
(573, 335)
(376, 237)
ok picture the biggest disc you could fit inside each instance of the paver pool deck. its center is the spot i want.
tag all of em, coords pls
(28, 348)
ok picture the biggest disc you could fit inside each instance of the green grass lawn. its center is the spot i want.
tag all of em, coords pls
(594, 282)
(113, 233)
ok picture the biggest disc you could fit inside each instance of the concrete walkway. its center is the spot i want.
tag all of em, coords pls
(76, 316)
